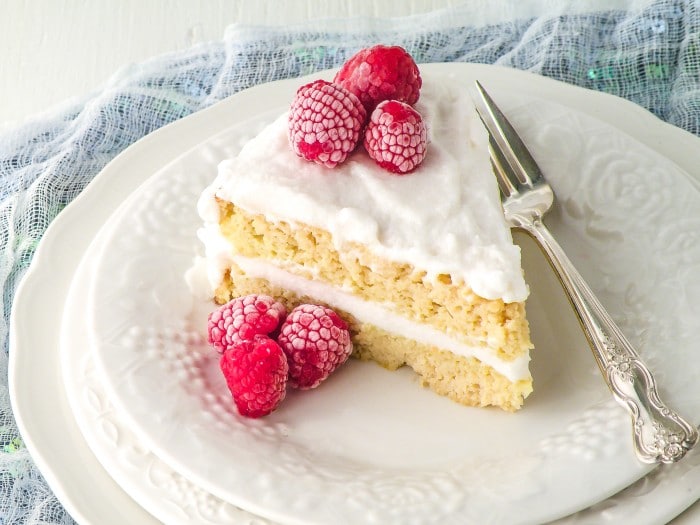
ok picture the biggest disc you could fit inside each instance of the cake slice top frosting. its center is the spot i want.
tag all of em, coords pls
(444, 218)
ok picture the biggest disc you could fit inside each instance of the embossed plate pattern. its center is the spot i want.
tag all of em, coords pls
(170, 497)
(175, 500)
(391, 451)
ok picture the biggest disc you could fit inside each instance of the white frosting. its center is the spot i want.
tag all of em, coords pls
(445, 217)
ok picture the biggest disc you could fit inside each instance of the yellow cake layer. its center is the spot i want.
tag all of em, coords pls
(465, 380)
(450, 307)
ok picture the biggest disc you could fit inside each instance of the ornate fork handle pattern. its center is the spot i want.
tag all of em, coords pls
(660, 434)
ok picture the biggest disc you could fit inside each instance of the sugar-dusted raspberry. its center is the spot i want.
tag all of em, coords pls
(325, 123)
(396, 137)
(256, 374)
(381, 73)
(316, 341)
(243, 318)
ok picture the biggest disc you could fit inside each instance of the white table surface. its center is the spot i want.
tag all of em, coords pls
(55, 50)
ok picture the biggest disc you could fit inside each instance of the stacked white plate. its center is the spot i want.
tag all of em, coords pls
(121, 403)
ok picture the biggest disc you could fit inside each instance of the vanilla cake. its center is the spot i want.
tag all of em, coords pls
(421, 266)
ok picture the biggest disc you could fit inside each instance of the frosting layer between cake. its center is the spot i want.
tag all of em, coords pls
(374, 313)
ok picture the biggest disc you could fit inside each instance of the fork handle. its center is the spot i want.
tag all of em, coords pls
(660, 434)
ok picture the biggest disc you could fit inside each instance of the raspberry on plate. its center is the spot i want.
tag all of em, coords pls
(381, 73)
(316, 341)
(325, 123)
(256, 374)
(243, 318)
(396, 137)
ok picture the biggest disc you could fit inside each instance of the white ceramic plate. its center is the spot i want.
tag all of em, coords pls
(87, 491)
(174, 500)
(389, 451)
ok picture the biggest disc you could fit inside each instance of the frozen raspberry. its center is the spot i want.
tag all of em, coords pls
(396, 137)
(242, 319)
(381, 73)
(316, 341)
(256, 374)
(325, 123)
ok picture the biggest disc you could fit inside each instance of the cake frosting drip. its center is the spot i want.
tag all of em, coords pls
(444, 218)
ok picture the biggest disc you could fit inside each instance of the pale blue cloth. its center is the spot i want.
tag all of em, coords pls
(649, 55)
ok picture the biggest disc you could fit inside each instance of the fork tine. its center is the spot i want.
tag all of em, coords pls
(515, 154)
(501, 185)
(503, 174)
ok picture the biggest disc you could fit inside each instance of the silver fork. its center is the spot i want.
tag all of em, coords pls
(660, 435)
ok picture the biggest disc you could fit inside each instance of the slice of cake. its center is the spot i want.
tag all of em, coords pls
(421, 266)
